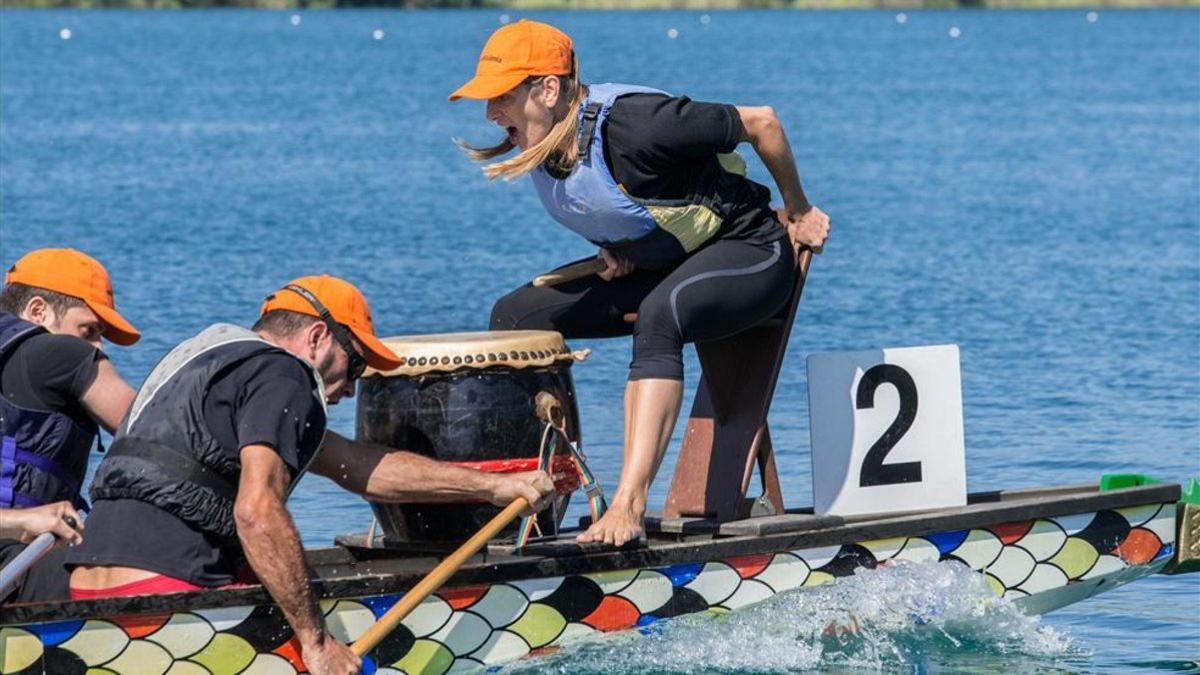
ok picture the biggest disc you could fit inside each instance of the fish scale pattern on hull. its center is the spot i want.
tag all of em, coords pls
(469, 627)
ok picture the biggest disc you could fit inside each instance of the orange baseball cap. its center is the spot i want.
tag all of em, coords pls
(515, 52)
(348, 307)
(70, 272)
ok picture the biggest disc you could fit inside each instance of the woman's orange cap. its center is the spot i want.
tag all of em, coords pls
(347, 306)
(70, 272)
(515, 52)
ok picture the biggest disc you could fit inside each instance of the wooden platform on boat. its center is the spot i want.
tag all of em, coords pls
(1033, 501)
(348, 570)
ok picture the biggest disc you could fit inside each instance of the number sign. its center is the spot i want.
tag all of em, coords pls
(887, 431)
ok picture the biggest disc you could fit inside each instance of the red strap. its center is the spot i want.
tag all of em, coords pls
(562, 470)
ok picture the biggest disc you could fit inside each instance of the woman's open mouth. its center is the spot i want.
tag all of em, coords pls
(512, 134)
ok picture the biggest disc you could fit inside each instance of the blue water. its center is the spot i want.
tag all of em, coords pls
(1029, 190)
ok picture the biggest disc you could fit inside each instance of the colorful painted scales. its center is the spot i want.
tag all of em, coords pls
(1042, 564)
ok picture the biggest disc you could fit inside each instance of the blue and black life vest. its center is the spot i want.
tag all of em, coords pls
(652, 233)
(43, 454)
(164, 453)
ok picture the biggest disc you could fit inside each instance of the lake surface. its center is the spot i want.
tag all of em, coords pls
(1028, 190)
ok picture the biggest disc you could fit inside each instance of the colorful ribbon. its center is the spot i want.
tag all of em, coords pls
(551, 437)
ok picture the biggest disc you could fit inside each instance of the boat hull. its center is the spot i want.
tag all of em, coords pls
(1040, 563)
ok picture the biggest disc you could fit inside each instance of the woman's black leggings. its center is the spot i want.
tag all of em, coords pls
(720, 290)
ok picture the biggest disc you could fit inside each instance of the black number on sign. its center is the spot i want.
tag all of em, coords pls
(874, 471)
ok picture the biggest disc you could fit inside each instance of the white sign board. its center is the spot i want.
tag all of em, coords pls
(887, 430)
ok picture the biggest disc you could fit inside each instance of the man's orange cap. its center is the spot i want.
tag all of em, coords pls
(67, 271)
(515, 52)
(348, 307)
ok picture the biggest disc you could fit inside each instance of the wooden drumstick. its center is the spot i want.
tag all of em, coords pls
(571, 272)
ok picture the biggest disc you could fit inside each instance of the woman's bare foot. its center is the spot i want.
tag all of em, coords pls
(620, 524)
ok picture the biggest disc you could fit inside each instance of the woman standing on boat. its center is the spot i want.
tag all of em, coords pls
(688, 243)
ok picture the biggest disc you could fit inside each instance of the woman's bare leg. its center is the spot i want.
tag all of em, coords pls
(651, 407)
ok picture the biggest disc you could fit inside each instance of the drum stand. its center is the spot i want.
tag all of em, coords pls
(727, 432)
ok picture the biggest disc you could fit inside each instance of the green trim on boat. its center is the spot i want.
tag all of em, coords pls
(1192, 494)
(1120, 481)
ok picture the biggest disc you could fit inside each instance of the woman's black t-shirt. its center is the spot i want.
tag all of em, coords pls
(658, 147)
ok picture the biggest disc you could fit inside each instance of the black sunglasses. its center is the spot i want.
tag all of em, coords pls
(356, 364)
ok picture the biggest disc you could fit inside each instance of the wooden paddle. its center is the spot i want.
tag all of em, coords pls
(436, 577)
(571, 272)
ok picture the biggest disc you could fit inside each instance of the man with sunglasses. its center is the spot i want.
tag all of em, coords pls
(191, 495)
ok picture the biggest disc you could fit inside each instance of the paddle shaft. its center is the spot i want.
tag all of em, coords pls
(13, 571)
(436, 577)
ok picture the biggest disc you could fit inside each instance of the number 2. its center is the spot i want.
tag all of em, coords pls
(874, 471)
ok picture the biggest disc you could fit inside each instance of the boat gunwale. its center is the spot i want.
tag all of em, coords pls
(499, 569)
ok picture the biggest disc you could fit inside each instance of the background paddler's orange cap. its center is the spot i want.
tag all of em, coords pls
(515, 52)
(67, 271)
(348, 307)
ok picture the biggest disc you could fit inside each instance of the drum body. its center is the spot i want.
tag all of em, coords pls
(481, 415)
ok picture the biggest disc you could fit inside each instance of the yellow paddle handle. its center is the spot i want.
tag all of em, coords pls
(436, 577)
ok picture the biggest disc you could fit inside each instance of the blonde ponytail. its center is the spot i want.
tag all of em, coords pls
(558, 150)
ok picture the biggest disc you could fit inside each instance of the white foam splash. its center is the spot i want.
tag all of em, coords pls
(908, 615)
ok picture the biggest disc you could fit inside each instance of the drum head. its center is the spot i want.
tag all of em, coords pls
(453, 351)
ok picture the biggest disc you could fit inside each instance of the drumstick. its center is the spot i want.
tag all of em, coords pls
(571, 272)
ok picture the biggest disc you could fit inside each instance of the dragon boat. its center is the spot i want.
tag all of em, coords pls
(492, 400)
(1039, 548)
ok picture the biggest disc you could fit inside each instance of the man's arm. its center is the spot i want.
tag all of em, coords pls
(272, 547)
(381, 474)
(107, 398)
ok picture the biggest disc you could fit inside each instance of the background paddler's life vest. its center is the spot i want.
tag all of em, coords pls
(472, 399)
(43, 454)
(165, 455)
(652, 233)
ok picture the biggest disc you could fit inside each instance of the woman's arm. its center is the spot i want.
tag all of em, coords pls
(805, 223)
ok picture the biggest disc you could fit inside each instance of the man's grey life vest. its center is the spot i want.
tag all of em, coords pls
(43, 454)
(652, 233)
(165, 455)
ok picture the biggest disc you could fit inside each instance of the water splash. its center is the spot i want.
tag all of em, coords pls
(906, 617)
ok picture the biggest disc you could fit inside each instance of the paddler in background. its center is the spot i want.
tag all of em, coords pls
(57, 389)
(223, 428)
(687, 241)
